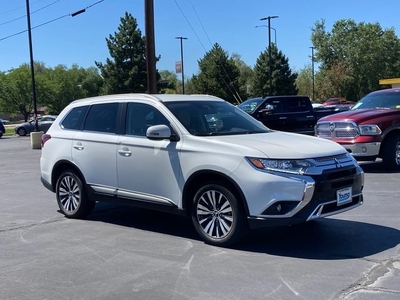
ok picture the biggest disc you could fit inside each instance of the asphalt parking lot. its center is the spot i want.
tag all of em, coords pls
(120, 252)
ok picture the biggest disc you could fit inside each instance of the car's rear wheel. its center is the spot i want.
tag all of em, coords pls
(71, 196)
(217, 215)
(21, 131)
(391, 152)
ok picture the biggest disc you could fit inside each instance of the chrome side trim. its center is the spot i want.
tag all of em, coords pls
(110, 191)
(144, 197)
(104, 189)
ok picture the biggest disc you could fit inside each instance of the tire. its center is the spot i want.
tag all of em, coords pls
(71, 196)
(21, 131)
(391, 152)
(217, 216)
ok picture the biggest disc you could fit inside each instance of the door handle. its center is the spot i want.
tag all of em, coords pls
(78, 146)
(125, 152)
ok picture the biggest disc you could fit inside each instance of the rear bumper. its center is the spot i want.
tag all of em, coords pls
(46, 184)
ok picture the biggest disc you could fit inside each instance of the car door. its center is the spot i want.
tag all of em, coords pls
(148, 170)
(300, 116)
(274, 116)
(45, 123)
(94, 148)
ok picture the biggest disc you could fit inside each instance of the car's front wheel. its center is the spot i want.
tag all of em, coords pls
(21, 131)
(71, 196)
(391, 152)
(217, 215)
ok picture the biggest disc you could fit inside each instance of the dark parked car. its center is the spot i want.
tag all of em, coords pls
(286, 113)
(44, 124)
(2, 128)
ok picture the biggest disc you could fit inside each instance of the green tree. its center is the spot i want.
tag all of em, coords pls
(169, 83)
(64, 86)
(218, 76)
(283, 79)
(125, 71)
(246, 74)
(304, 81)
(362, 53)
(89, 80)
(16, 90)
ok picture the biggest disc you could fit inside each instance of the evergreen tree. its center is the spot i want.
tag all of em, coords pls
(126, 71)
(219, 76)
(283, 80)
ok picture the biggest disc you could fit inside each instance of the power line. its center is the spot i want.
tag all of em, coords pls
(51, 21)
(187, 20)
(14, 9)
(16, 19)
(235, 94)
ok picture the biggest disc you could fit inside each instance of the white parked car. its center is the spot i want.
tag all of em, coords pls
(195, 155)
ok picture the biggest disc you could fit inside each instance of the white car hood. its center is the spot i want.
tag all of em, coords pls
(283, 145)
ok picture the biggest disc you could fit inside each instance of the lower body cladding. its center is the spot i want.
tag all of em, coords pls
(331, 192)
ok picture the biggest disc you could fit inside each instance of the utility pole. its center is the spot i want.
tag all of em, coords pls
(269, 50)
(150, 47)
(28, 16)
(313, 78)
(183, 76)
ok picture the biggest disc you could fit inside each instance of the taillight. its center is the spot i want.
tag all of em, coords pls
(45, 138)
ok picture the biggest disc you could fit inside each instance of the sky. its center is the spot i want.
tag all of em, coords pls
(62, 39)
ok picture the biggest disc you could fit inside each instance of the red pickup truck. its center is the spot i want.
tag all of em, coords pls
(370, 130)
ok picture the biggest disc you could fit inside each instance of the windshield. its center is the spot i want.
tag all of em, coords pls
(250, 105)
(379, 100)
(205, 118)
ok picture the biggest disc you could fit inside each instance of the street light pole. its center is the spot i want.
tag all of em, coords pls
(183, 74)
(276, 43)
(269, 50)
(313, 79)
(28, 16)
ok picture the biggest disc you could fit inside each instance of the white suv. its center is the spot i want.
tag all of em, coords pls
(196, 155)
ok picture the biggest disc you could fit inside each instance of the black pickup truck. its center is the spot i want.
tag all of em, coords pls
(286, 113)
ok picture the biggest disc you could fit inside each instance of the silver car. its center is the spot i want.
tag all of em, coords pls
(44, 123)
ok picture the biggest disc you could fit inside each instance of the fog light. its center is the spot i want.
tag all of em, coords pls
(364, 149)
(278, 208)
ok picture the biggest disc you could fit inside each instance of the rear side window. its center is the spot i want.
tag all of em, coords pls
(74, 118)
(102, 118)
(297, 104)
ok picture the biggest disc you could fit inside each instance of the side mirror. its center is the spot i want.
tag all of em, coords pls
(158, 132)
(267, 110)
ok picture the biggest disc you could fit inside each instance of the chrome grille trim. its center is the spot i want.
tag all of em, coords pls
(332, 130)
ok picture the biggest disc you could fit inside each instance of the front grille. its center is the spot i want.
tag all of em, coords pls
(332, 180)
(333, 130)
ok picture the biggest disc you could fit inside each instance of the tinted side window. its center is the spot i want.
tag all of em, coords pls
(141, 116)
(74, 118)
(102, 118)
(276, 103)
(297, 104)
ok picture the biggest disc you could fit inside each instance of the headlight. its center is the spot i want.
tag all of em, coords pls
(281, 165)
(369, 129)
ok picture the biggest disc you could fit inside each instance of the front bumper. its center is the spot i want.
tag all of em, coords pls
(319, 201)
(363, 149)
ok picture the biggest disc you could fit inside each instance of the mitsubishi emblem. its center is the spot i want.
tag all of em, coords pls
(338, 164)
